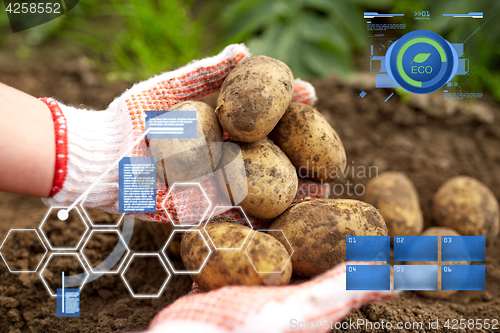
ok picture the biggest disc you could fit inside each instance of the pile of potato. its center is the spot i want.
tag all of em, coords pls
(462, 206)
(277, 137)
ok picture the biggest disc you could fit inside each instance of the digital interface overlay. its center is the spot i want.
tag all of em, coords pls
(421, 61)
(137, 194)
(418, 276)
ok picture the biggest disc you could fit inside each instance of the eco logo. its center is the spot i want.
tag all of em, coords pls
(421, 61)
(26, 14)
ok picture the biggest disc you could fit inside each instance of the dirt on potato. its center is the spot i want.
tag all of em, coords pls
(427, 138)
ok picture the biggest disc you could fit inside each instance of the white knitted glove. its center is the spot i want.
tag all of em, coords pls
(89, 143)
(262, 309)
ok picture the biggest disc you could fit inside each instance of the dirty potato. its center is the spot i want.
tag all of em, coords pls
(174, 247)
(440, 232)
(311, 144)
(468, 206)
(317, 230)
(270, 177)
(224, 268)
(397, 200)
(184, 160)
(253, 98)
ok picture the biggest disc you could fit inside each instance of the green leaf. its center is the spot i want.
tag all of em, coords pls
(314, 28)
(420, 57)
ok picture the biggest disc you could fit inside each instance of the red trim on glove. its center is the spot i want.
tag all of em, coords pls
(61, 135)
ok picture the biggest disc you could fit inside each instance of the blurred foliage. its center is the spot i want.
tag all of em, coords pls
(314, 37)
(4, 27)
(138, 37)
(134, 39)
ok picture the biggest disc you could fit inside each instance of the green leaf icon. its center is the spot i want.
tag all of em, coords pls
(420, 57)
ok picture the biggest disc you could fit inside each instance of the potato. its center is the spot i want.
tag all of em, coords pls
(233, 267)
(174, 247)
(438, 231)
(317, 230)
(467, 206)
(397, 200)
(312, 145)
(184, 160)
(270, 176)
(253, 98)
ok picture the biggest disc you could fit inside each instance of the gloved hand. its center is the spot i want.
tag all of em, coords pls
(245, 309)
(89, 142)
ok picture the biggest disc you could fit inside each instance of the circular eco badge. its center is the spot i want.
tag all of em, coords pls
(421, 61)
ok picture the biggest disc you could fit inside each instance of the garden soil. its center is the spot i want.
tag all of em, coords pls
(426, 137)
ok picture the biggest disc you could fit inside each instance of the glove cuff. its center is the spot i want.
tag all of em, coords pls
(87, 144)
(304, 92)
(61, 144)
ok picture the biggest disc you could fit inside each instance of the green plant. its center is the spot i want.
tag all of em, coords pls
(159, 35)
(4, 24)
(129, 39)
(314, 37)
(144, 37)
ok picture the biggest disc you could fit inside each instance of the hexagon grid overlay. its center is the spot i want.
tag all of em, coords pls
(190, 209)
(87, 215)
(54, 210)
(130, 290)
(63, 254)
(289, 256)
(164, 251)
(218, 210)
(21, 230)
(93, 269)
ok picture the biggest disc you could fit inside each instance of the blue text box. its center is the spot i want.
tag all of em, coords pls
(171, 124)
(415, 248)
(463, 277)
(368, 277)
(68, 302)
(415, 277)
(368, 248)
(463, 248)
(137, 185)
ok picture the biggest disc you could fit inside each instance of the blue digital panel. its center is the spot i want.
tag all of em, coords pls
(463, 248)
(171, 124)
(68, 302)
(368, 277)
(137, 185)
(463, 277)
(415, 248)
(385, 81)
(368, 248)
(415, 277)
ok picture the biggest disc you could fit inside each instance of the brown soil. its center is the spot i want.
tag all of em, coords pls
(430, 140)
(427, 138)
